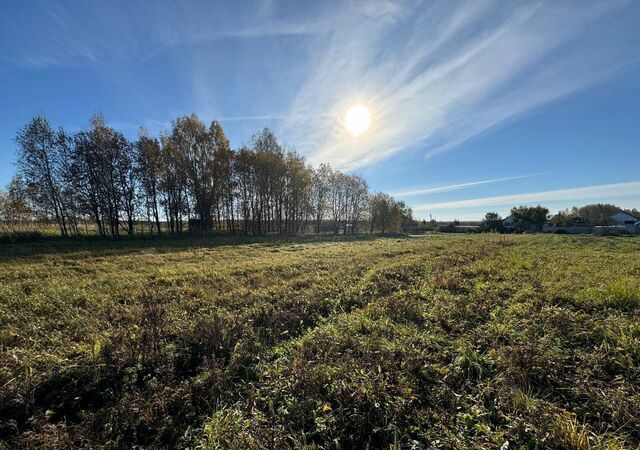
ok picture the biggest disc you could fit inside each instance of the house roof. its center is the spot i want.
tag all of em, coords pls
(621, 215)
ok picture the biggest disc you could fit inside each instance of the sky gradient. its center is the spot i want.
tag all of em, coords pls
(476, 106)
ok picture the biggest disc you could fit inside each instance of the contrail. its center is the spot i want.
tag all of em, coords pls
(454, 187)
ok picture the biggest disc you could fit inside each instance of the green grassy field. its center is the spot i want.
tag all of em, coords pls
(437, 341)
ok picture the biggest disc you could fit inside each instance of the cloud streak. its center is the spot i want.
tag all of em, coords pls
(596, 192)
(89, 34)
(247, 118)
(455, 187)
(436, 75)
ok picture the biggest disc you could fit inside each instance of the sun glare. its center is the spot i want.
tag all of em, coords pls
(356, 120)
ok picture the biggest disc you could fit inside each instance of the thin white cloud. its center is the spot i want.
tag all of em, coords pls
(596, 192)
(455, 187)
(247, 118)
(112, 33)
(434, 75)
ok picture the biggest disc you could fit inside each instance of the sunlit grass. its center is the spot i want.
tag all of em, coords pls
(454, 341)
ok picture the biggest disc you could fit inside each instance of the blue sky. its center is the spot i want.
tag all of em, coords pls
(475, 106)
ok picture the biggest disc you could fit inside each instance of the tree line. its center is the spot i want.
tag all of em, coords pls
(593, 214)
(188, 179)
(533, 218)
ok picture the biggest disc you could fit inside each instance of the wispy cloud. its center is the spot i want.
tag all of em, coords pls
(155, 127)
(602, 191)
(435, 75)
(455, 187)
(121, 31)
(247, 118)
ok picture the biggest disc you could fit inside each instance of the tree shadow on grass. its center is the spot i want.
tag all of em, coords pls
(34, 246)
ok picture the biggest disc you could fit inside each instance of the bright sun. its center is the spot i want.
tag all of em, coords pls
(356, 120)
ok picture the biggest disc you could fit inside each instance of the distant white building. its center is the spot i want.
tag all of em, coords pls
(622, 218)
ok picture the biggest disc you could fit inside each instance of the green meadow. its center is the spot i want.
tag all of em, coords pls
(434, 341)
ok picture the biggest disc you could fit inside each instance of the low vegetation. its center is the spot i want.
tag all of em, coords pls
(437, 341)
